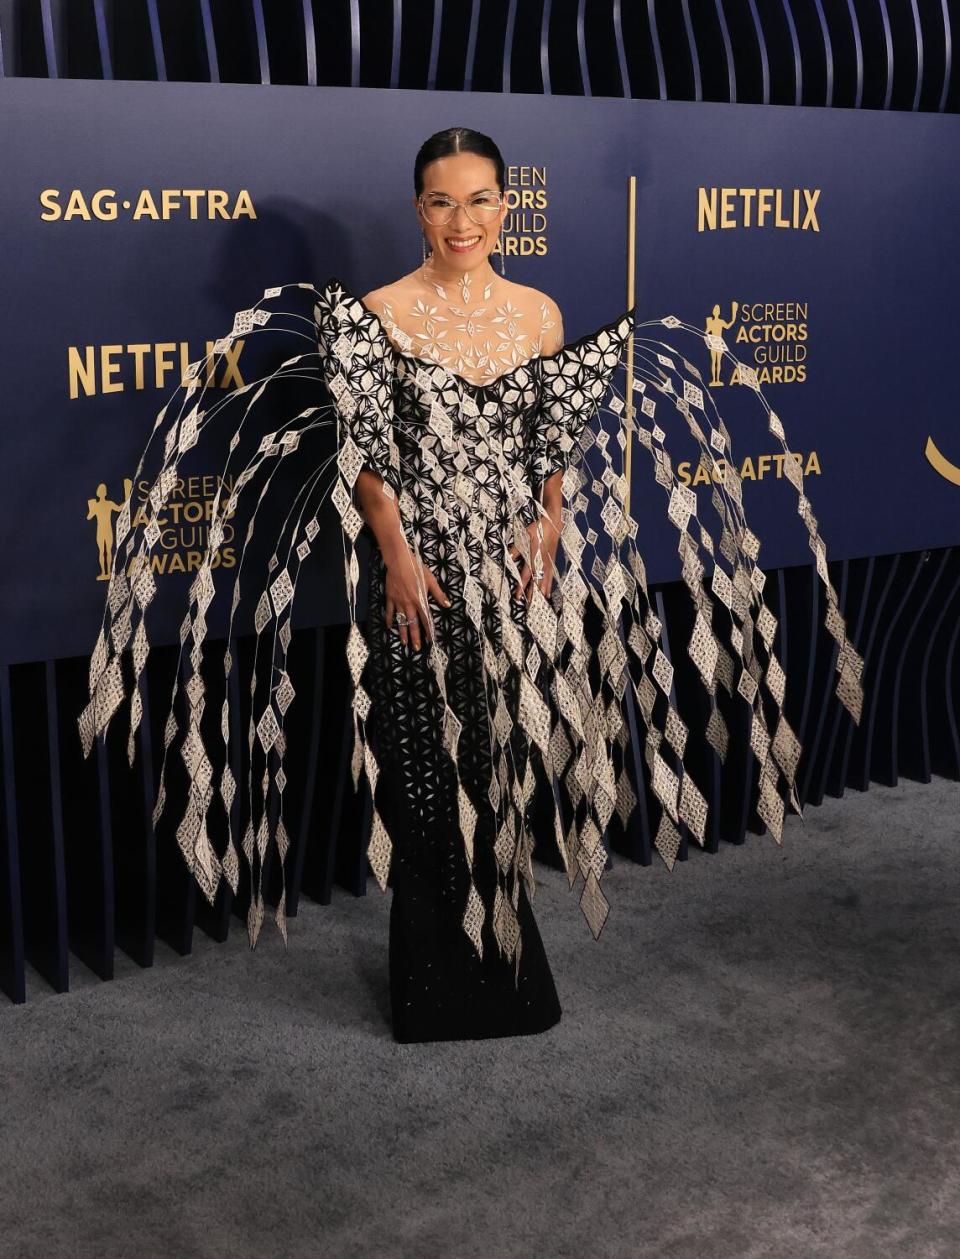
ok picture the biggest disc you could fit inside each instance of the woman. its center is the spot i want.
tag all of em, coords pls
(470, 441)
(453, 310)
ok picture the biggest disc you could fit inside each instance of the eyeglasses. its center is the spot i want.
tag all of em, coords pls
(438, 210)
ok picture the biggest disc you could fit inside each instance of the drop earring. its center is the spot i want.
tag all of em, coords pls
(503, 269)
(423, 247)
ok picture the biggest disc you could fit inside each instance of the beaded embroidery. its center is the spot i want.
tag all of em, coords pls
(463, 459)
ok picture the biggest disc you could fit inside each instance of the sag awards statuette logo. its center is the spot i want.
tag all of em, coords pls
(102, 510)
(773, 335)
(184, 525)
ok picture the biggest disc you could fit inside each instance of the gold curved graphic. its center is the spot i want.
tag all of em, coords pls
(940, 463)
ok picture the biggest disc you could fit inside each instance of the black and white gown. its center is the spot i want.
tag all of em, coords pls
(452, 978)
(454, 740)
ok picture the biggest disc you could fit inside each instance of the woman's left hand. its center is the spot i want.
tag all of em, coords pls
(547, 556)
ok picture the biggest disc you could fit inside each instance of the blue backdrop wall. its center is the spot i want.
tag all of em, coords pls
(138, 217)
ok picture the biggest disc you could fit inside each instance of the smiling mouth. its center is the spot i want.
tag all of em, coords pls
(462, 244)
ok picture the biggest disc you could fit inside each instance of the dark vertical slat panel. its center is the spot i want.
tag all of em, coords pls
(906, 708)
(214, 920)
(827, 52)
(508, 37)
(260, 39)
(827, 676)
(309, 43)
(888, 49)
(156, 39)
(814, 632)
(948, 55)
(144, 769)
(582, 50)
(693, 50)
(236, 766)
(304, 831)
(695, 706)
(101, 946)
(103, 39)
(38, 815)
(131, 849)
(795, 45)
(657, 50)
(209, 42)
(762, 49)
(545, 47)
(639, 840)
(625, 87)
(176, 885)
(354, 43)
(12, 968)
(336, 837)
(546, 797)
(778, 599)
(748, 819)
(49, 39)
(919, 38)
(242, 704)
(747, 770)
(395, 40)
(715, 790)
(59, 977)
(830, 780)
(8, 43)
(356, 874)
(665, 750)
(435, 43)
(782, 640)
(858, 46)
(322, 825)
(858, 733)
(875, 733)
(86, 826)
(470, 63)
(734, 790)
(727, 52)
(946, 758)
(929, 682)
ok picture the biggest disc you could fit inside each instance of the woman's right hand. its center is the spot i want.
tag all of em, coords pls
(403, 595)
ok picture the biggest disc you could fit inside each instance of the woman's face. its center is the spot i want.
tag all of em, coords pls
(461, 243)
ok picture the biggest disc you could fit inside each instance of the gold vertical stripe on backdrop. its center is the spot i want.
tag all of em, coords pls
(631, 298)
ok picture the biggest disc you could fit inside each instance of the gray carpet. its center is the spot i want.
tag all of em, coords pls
(759, 1059)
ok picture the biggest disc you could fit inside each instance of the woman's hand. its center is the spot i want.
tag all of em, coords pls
(403, 595)
(545, 552)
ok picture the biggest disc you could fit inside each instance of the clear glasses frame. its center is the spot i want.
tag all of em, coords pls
(446, 212)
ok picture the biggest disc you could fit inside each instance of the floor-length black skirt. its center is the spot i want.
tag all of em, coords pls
(440, 988)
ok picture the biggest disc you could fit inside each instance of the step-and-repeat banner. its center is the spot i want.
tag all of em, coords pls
(138, 217)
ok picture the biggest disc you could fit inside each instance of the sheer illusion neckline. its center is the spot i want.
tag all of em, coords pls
(527, 363)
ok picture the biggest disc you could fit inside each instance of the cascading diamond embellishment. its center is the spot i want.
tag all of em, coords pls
(463, 422)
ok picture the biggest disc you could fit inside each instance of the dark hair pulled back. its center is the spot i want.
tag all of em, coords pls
(456, 140)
